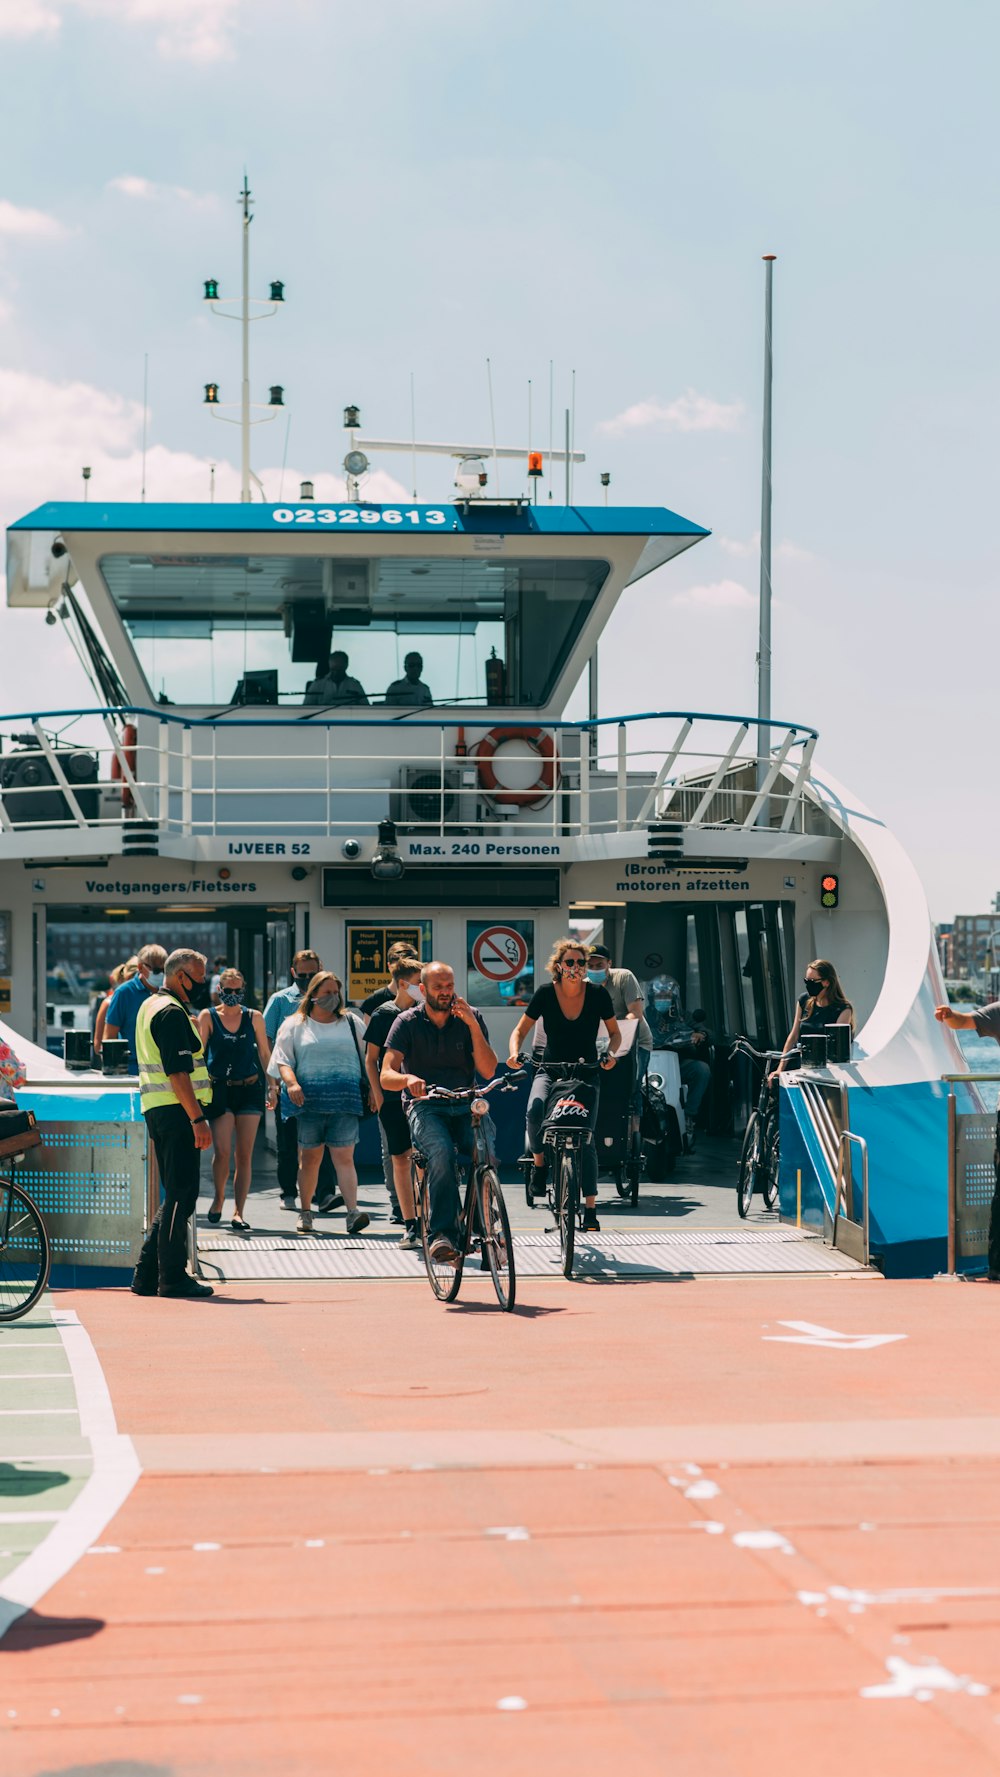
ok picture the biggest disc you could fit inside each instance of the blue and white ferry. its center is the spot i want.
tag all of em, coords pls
(219, 791)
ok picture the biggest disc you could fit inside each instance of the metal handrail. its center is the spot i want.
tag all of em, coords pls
(846, 1137)
(457, 717)
(190, 775)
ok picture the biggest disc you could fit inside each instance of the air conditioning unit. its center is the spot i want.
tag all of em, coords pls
(429, 797)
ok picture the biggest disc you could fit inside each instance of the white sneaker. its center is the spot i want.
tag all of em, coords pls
(305, 1222)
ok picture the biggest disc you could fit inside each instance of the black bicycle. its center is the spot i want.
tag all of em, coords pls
(759, 1158)
(484, 1224)
(25, 1254)
(566, 1133)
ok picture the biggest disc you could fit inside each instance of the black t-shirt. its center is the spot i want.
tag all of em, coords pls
(821, 1017)
(379, 998)
(379, 1026)
(440, 1054)
(571, 1039)
(170, 1029)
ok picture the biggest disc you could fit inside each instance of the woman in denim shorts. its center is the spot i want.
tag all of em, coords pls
(237, 1053)
(317, 1057)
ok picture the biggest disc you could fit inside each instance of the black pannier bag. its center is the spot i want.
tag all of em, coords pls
(17, 1131)
(570, 1105)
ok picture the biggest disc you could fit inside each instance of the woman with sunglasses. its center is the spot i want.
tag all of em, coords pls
(824, 1003)
(573, 1010)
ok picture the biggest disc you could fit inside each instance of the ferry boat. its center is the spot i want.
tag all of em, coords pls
(218, 793)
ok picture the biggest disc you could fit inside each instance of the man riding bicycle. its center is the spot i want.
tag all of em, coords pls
(441, 1043)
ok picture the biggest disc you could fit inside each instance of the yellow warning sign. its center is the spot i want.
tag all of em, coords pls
(367, 949)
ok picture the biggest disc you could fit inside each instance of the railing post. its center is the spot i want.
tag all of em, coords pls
(586, 741)
(163, 811)
(952, 1181)
(622, 777)
(186, 781)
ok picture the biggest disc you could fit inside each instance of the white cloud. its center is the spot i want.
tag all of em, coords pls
(133, 185)
(717, 595)
(29, 224)
(749, 549)
(190, 30)
(689, 412)
(27, 18)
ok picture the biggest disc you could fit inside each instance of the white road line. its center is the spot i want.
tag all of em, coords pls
(30, 1517)
(36, 1376)
(33, 1412)
(115, 1472)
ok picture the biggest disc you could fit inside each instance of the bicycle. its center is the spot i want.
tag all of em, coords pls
(565, 1134)
(484, 1225)
(25, 1252)
(759, 1158)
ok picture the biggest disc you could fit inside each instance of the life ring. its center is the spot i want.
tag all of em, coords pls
(543, 744)
(130, 736)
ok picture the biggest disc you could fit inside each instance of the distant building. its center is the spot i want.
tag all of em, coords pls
(969, 945)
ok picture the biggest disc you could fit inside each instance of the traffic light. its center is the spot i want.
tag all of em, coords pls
(829, 891)
(211, 394)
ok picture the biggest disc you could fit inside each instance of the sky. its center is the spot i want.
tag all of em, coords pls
(440, 183)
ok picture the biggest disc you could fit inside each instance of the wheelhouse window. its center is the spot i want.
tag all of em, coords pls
(219, 630)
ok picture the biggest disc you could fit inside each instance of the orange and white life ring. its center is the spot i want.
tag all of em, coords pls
(130, 736)
(536, 794)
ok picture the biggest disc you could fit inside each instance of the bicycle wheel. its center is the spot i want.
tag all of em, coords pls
(622, 1184)
(498, 1246)
(566, 1196)
(445, 1280)
(749, 1165)
(634, 1170)
(770, 1184)
(25, 1255)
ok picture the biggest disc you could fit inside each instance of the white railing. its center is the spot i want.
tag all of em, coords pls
(148, 771)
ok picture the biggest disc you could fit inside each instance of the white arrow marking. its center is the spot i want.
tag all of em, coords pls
(906, 1680)
(806, 1333)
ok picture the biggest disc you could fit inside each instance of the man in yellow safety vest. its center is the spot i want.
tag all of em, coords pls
(174, 1088)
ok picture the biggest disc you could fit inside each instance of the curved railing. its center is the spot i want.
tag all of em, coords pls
(222, 774)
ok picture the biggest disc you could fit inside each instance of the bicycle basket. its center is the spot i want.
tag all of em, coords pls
(570, 1105)
(17, 1132)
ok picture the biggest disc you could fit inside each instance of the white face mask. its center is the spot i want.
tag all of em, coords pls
(415, 992)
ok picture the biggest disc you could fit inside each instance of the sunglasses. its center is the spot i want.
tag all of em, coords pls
(574, 962)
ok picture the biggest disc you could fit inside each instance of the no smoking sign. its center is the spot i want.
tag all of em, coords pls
(500, 953)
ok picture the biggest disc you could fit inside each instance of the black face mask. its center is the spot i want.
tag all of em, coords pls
(198, 994)
(814, 988)
(301, 981)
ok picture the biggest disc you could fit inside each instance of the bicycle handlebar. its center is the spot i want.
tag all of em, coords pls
(460, 1094)
(558, 1067)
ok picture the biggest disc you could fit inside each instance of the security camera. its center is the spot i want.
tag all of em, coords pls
(58, 548)
(351, 848)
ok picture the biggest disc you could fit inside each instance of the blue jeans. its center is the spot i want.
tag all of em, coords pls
(697, 1077)
(440, 1132)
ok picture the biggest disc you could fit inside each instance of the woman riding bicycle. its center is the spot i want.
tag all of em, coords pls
(573, 1010)
(823, 1004)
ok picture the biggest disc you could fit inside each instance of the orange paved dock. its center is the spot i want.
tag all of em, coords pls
(626, 1529)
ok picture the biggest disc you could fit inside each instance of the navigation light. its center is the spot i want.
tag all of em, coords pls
(352, 418)
(211, 289)
(277, 291)
(306, 491)
(277, 396)
(211, 394)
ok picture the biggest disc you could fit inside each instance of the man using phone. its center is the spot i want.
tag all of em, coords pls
(441, 1043)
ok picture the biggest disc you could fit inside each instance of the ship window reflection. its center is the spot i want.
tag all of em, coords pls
(213, 630)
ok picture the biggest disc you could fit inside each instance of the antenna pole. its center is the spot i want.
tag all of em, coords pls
(572, 434)
(245, 329)
(764, 640)
(145, 416)
(493, 429)
(551, 422)
(567, 457)
(413, 433)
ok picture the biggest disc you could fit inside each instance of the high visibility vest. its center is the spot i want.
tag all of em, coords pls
(154, 1087)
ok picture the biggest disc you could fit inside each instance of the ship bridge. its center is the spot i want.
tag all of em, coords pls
(219, 721)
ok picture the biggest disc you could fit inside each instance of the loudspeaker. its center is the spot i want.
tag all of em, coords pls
(312, 628)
